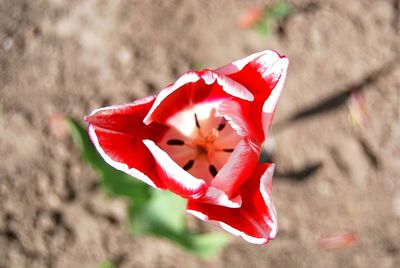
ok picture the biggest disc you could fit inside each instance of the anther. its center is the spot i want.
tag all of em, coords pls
(230, 150)
(213, 170)
(175, 142)
(188, 165)
(222, 125)
(196, 120)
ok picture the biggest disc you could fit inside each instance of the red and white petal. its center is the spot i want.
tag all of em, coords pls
(277, 70)
(175, 178)
(126, 154)
(236, 171)
(127, 118)
(264, 77)
(238, 65)
(217, 197)
(263, 74)
(255, 221)
(228, 85)
(240, 118)
(193, 88)
(187, 78)
(117, 132)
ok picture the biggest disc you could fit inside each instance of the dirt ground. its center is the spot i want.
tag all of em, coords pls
(68, 57)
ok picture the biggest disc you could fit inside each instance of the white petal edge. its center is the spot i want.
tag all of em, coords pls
(228, 85)
(280, 67)
(173, 170)
(124, 105)
(268, 57)
(228, 228)
(218, 197)
(231, 110)
(120, 166)
(265, 189)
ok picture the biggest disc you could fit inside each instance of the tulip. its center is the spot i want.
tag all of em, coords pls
(201, 138)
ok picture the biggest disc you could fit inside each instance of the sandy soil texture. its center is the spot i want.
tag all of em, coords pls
(68, 57)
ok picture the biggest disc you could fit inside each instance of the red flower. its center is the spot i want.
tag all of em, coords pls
(200, 138)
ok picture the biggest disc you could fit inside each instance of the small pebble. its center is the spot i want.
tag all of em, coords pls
(8, 43)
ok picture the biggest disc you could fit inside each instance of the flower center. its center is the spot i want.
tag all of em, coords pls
(205, 145)
(200, 141)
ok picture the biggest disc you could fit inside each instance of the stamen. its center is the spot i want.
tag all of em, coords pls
(222, 125)
(196, 120)
(188, 165)
(213, 170)
(230, 150)
(175, 142)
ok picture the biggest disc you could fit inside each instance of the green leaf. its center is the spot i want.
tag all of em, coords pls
(279, 10)
(117, 183)
(276, 12)
(114, 182)
(82, 140)
(208, 244)
(162, 215)
(263, 28)
(106, 264)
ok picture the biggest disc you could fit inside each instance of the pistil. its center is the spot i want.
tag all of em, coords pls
(206, 145)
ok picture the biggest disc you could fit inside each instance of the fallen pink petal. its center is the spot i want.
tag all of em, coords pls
(201, 139)
(357, 110)
(338, 241)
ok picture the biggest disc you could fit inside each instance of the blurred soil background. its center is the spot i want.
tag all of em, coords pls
(335, 138)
